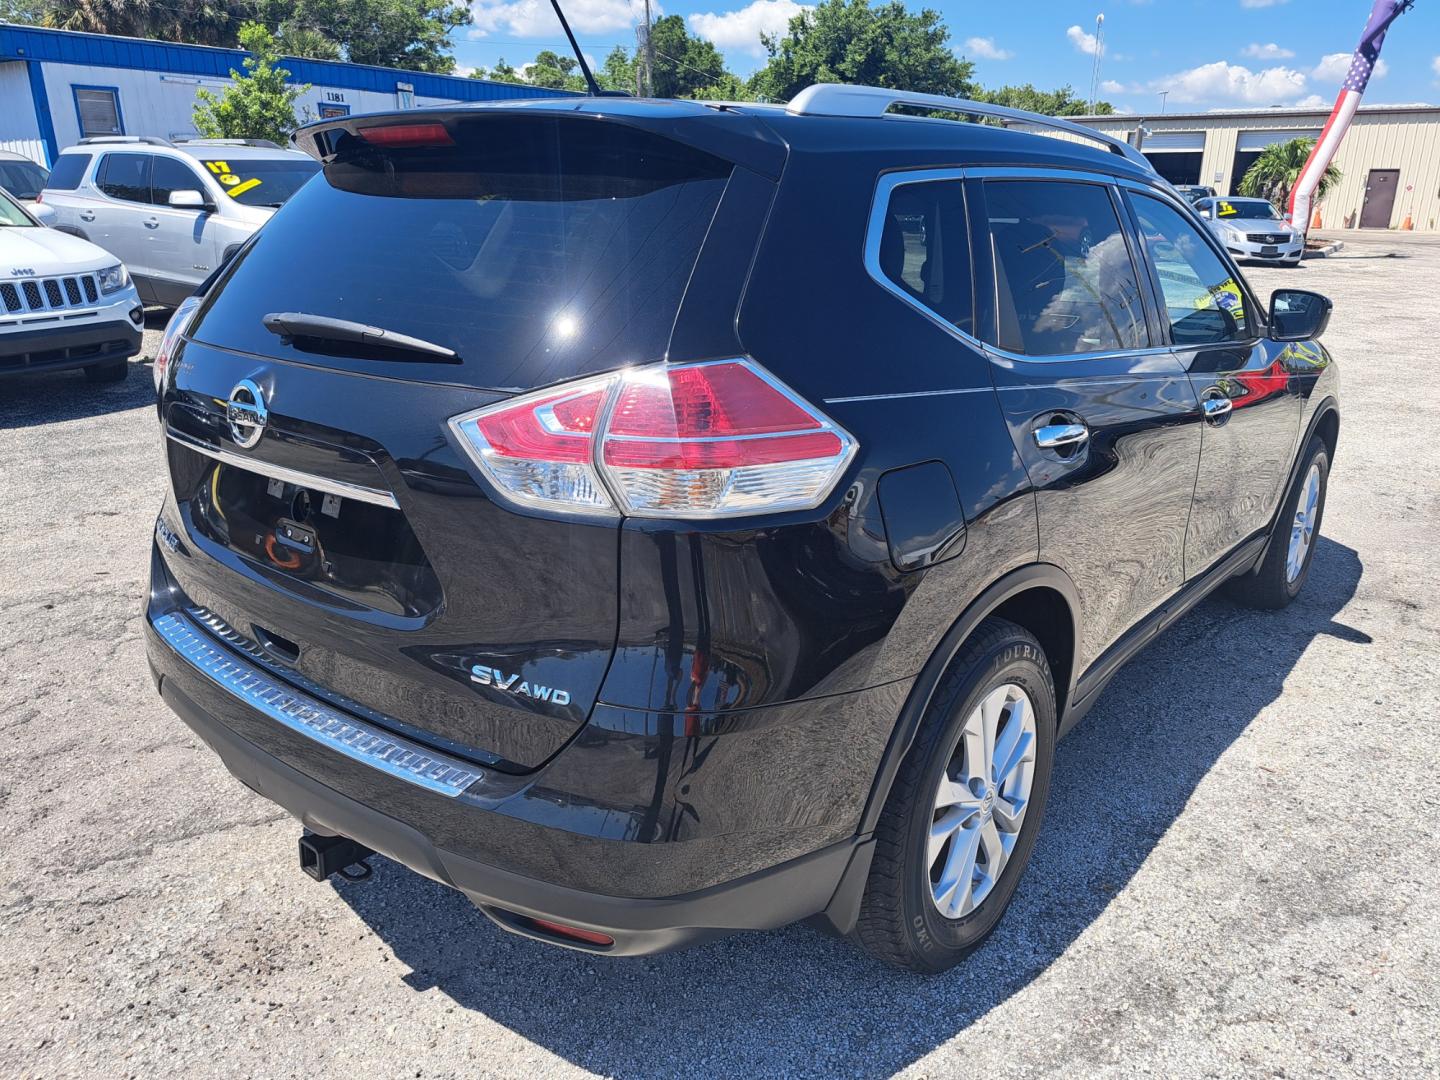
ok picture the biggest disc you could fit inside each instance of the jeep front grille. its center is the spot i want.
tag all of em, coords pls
(48, 294)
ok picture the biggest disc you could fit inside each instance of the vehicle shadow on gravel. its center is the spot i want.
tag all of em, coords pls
(34, 400)
(798, 1002)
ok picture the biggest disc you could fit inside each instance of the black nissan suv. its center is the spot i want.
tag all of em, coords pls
(658, 519)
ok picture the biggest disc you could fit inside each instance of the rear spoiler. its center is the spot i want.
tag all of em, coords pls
(734, 136)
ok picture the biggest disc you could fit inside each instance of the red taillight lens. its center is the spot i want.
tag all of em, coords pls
(407, 135)
(177, 325)
(718, 439)
(574, 933)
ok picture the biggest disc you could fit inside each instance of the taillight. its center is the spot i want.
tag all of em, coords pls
(400, 135)
(717, 439)
(171, 338)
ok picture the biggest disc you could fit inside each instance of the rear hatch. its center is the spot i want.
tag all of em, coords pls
(352, 544)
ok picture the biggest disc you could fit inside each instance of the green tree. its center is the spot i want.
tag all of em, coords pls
(555, 72)
(849, 41)
(618, 71)
(1061, 102)
(501, 72)
(411, 34)
(260, 105)
(1278, 167)
(686, 66)
(195, 22)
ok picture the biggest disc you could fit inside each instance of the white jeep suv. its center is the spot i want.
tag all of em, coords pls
(171, 211)
(64, 303)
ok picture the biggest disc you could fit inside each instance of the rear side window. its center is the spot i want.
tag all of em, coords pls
(1203, 302)
(923, 249)
(23, 179)
(125, 176)
(170, 176)
(68, 172)
(534, 247)
(1065, 280)
(261, 181)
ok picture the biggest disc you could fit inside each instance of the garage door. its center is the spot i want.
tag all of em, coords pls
(1181, 142)
(1255, 141)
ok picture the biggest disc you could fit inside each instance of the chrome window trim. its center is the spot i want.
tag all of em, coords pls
(360, 741)
(374, 496)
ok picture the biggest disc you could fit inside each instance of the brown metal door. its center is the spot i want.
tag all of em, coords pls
(1379, 198)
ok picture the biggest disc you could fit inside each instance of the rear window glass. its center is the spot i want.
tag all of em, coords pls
(261, 181)
(1066, 282)
(68, 171)
(925, 248)
(23, 179)
(125, 176)
(535, 248)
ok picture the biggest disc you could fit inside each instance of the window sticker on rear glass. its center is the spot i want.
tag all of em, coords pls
(1224, 209)
(234, 184)
(1226, 296)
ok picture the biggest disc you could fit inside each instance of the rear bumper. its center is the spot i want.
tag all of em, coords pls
(657, 831)
(78, 344)
(1283, 253)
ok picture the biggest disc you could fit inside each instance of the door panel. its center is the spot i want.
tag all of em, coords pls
(1380, 189)
(1251, 410)
(1076, 369)
(182, 243)
(118, 219)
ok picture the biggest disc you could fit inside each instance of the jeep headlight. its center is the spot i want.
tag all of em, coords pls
(113, 278)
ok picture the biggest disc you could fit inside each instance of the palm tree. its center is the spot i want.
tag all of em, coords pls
(1277, 169)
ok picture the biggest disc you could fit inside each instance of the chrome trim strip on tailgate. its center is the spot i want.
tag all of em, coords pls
(332, 729)
(289, 476)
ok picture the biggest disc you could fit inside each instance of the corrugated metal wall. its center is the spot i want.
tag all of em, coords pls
(19, 130)
(1403, 139)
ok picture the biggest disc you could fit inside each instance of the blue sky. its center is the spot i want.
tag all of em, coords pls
(1209, 54)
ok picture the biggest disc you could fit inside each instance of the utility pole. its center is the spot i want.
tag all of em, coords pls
(649, 55)
(1164, 94)
(1094, 71)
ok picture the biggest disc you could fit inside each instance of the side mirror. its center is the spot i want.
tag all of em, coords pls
(44, 214)
(189, 199)
(1298, 315)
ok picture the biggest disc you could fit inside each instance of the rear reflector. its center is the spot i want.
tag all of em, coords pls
(407, 135)
(574, 933)
(709, 440)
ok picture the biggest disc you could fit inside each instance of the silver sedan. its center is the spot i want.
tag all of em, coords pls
(1253, 229)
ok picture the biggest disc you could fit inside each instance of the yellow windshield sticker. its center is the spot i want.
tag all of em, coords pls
(1226, 296)
(234, 185)
(1224, 209)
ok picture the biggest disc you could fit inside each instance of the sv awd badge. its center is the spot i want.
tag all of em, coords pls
(513, 684)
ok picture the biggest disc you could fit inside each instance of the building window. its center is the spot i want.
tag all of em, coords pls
(98, 109)
(404, 96)
(329, 110)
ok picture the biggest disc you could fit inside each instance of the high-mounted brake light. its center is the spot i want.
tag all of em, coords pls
(709, 440)
(407, 135)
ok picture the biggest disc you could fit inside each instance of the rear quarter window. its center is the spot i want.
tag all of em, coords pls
(69, 170)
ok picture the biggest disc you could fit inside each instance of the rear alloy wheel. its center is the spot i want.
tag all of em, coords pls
(965, 807)
(1281, 576)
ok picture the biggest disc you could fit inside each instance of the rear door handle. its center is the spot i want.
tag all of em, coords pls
(1217, 408)
(152, 223)
(87, 215)
(1061, 436)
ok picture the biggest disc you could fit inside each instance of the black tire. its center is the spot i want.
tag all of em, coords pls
(1270, 587)
(111, 372)
(899, 921)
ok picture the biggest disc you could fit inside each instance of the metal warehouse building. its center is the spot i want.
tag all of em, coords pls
(58, 86)
(1390, 158)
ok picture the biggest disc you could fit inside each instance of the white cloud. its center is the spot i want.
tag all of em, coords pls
(1267, 52)
(1261, 3)
(1233, 84)
(536, 18)
(1334, 67)
(1312, 101)
(741, 29)
(1110, 86)
(984, 48)
(1436, 65)
(1082, 40)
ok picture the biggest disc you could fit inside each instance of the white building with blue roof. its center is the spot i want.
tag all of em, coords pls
(59, 86)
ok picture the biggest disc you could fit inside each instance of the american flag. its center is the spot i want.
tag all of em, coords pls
(1362, 66)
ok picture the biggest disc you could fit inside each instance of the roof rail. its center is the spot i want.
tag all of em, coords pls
(148, 140)
(840, 99)
(266, 143)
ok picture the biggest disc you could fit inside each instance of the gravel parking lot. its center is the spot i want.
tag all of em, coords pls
(1239, 873)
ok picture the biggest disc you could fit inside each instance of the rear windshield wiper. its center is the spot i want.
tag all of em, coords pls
(322, 334)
